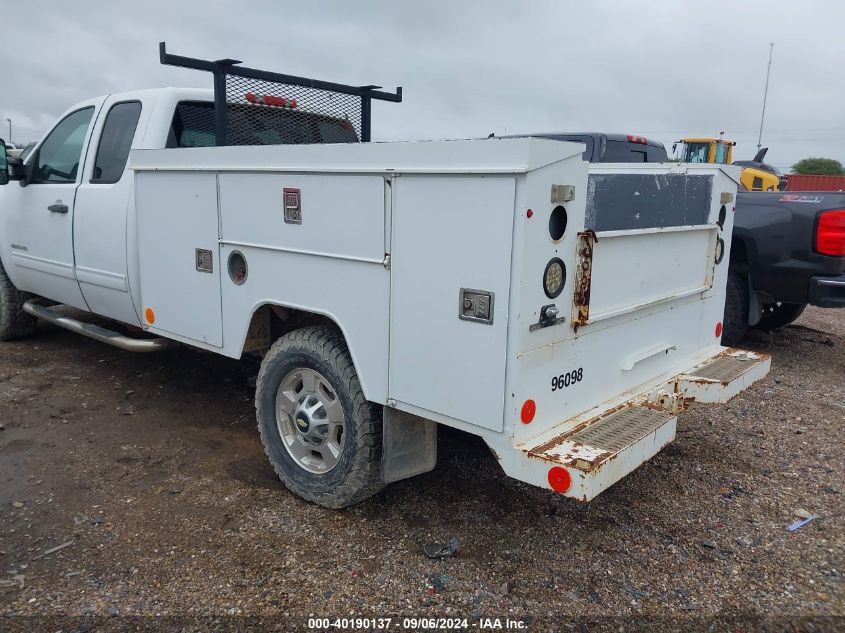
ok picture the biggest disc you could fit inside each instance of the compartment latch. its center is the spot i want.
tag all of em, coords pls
(476, 305)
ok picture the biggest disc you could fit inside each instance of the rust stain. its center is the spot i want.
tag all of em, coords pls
(590, 465)
(538, 451)
(583, 276)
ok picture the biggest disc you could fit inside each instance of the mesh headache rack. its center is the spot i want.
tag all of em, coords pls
(258, 107)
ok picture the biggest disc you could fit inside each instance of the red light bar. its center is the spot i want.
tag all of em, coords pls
(270, 100)
(642, 140)
(830, 233)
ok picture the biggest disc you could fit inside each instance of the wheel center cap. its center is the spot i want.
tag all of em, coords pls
(302, 422)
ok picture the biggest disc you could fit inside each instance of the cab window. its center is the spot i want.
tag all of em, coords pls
(721, 153)
(192, 125)
(696, 153)
(115, 142)
(59, 155)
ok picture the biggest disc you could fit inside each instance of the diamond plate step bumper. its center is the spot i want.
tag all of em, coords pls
(599, 452)
(723, 376)
(584, 456)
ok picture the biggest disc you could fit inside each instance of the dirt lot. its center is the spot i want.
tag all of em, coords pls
(151, 468)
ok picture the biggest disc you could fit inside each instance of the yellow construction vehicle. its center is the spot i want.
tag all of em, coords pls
(755, 175)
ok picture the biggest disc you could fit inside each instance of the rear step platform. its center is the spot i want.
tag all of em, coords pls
(723, 376)
(602, 450)
(583, 456)
(55, 314)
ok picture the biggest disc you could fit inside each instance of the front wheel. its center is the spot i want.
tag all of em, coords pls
(322, 436)
(778, 315)
(14, 322)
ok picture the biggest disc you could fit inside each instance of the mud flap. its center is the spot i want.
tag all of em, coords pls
(409, 445)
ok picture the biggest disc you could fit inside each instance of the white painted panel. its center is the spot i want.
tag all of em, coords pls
(341, 214)
(450, 232)
(177, 213)
(353, 294)
(636, 268)
(656, 297)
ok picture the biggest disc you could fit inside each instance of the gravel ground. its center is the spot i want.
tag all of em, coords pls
(150, 467)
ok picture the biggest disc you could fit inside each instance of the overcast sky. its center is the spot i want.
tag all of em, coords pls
(662, 68)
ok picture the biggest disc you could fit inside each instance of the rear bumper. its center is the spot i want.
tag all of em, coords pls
(827, 292)
(582, 457)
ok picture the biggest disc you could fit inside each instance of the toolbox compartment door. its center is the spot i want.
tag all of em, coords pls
(450, 232)
(179, 254)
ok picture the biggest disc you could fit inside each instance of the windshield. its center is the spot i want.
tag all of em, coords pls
(695, 153)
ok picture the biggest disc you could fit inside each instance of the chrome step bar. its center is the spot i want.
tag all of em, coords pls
(36, 308)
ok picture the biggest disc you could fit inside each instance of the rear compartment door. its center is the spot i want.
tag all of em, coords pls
(654, 241)
(451, 233)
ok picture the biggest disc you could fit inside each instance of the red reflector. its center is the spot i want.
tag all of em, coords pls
(719, 329)
(529, 213)
(559, 479)
(637, 139)
(830, 233)
(528, 411)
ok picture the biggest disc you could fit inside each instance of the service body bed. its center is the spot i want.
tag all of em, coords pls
(430, 258)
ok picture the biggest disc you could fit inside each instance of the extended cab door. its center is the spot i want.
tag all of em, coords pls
(103, 204)
(38, 217)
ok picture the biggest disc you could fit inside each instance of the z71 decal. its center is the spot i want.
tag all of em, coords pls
(568, 379)
(794, 197)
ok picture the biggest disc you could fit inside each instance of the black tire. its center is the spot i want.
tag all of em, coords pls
(778, 315)
(14, 322)
(357, 474)
(735, 321)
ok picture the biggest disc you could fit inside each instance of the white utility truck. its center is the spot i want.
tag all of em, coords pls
(565, 312)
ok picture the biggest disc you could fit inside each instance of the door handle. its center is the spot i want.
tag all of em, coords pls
(58, 207)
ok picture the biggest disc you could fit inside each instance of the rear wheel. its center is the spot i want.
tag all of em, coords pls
(14, 322)
(322, 437)
(735, 322)
(778, 315)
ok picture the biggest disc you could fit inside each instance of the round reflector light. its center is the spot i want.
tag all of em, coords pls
(718, 329)
(559, 479)
(529, 408)
(554, 277)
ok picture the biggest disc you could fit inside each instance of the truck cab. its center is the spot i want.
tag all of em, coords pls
(70, 225)
(67, 224)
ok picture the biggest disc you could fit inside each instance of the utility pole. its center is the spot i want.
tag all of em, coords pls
(10, 130)
(765, 95)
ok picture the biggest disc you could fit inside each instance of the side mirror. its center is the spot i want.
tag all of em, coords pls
(4, 165)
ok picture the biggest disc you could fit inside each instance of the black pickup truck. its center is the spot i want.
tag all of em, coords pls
(788, 248)
(788, 251)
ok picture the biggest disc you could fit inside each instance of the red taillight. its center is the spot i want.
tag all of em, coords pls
(830, 233)
(642, 140)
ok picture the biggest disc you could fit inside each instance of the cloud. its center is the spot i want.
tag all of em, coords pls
(662, 68)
